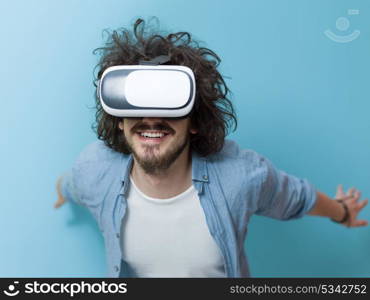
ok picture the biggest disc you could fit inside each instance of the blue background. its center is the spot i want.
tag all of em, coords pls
(302, 101)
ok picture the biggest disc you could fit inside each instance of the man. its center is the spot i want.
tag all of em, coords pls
(171, 196)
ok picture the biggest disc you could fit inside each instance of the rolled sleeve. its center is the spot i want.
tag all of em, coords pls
(68, 188)
(284, 196)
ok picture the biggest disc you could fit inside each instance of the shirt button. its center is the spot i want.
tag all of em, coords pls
(205, 177)
(117, 235)
(116, 268)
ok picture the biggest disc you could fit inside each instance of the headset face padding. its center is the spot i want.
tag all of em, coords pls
(147, 90)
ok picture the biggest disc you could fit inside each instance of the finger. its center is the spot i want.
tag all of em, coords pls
(358, 194)
(58, 203)
(355, 196)
(340, 193)
(58, 188)
(350, 191)
(347, 197)
(359, 223)
(362, 204)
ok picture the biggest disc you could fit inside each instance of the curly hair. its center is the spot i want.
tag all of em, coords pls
(213, 113)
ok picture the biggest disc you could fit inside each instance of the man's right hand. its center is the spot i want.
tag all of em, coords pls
(61, 199)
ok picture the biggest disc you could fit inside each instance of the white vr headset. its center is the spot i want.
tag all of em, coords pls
(147, 90)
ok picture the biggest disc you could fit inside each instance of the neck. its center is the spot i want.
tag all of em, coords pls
(168, 183)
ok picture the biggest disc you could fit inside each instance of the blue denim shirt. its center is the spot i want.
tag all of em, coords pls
(232, 185)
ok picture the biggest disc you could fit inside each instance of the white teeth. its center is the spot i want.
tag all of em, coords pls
(152, 135)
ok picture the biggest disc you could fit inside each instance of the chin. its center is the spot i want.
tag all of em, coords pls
(149, 152)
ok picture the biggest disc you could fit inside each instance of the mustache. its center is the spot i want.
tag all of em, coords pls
(157, 126)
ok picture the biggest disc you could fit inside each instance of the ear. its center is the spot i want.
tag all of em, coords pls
(193, 131)
(120, 125)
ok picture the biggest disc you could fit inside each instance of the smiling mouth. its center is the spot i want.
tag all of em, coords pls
(152, 135)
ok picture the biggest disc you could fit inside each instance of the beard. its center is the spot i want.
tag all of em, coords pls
(157, 164)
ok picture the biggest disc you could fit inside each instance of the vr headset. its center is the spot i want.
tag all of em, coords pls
(147, 90)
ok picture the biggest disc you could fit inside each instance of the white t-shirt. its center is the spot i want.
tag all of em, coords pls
(168, 237)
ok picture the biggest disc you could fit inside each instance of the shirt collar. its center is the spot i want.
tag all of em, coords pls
(198, 166)
(125, 175)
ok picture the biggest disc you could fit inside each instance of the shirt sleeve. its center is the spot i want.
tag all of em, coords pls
(68, 188)
(284, 196)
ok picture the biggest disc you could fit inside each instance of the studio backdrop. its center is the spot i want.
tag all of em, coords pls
(299, 74)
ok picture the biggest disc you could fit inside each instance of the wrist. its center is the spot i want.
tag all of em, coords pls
(343, 218)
